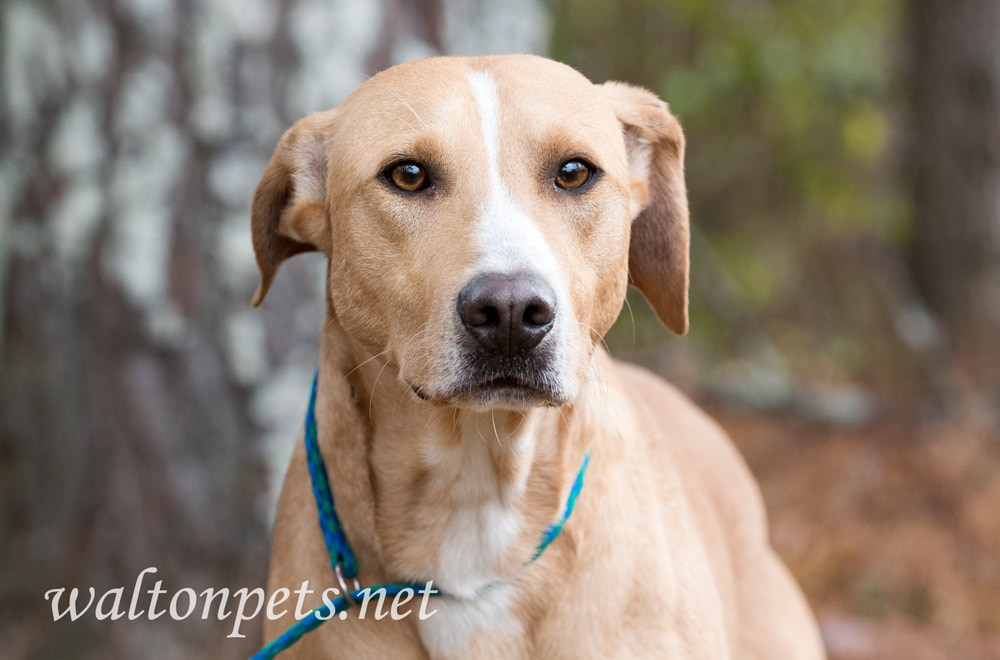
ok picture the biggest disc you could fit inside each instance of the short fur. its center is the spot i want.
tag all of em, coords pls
(667, 554)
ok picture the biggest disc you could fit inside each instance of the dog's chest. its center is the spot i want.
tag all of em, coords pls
(482, 518)
(476, 531)
(486, 626)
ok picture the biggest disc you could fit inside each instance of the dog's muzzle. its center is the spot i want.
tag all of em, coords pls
(506, 318)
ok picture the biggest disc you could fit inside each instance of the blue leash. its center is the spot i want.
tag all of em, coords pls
(342, 559)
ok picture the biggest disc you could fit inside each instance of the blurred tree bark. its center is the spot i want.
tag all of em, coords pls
(146, 412)
(955, 94)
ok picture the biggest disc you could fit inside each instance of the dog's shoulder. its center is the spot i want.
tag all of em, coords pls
(714, 474)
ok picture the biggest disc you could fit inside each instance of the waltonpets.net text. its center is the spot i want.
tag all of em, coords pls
(248, 603)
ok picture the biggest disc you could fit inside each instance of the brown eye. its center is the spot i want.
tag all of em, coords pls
(573, 174)
(408, 176)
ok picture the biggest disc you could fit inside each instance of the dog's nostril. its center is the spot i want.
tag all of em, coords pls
(478, 315)
(491, 316)
(538, 314)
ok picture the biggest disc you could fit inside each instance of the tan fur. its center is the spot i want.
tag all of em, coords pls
(666, 555)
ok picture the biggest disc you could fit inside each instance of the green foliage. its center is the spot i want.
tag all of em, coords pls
(787, 106)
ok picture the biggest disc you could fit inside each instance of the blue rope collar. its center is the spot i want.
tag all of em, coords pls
(342, 559)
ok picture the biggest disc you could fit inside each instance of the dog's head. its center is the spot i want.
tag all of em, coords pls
(483, 218)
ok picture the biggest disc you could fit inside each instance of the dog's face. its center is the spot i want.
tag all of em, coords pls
(478, 215)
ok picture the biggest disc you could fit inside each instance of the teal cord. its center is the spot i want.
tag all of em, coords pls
(340, 551)
(333, 534)
(555, 529)
(321, 615)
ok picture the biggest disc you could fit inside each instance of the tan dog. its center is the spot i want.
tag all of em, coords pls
(482, 219)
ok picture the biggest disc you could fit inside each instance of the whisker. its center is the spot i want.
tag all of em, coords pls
(563, 415)
(599, 336)
(493, 417)
(365, 362)
(401, 100)
(371, 397)
(479, 430)
(631, 316)
(397, 117)
(602, 384)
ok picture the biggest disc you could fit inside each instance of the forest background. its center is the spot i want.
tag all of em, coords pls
(844, 175)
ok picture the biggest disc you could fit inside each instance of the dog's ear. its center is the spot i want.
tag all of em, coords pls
(288, 216)
(658, 251)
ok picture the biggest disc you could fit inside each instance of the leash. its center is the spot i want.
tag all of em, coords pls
(342, 560)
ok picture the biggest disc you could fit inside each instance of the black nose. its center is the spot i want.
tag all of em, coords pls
(507, 313)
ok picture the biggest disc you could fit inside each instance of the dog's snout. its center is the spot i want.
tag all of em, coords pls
(507, 313)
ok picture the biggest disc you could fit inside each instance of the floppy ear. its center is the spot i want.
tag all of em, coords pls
(658, 250)
(289, 206)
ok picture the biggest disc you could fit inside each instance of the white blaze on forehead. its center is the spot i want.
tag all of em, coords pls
(508, 239)
(488, 102)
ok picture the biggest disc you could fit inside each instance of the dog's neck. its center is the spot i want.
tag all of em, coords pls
(434, 492)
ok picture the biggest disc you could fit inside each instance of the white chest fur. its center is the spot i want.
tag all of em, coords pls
(483, 626)
(481, 526)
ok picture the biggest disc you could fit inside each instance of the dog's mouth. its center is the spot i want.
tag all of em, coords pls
(505, 390)
(511, 391)
(505, 382)
(484, 382)
(510, 386)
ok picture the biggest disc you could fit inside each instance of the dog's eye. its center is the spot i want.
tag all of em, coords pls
(408, 176)
(573, 174)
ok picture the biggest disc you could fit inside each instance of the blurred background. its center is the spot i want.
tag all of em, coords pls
(844, 174)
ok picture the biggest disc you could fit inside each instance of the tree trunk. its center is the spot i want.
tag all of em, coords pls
(955, 89)
(143, 404)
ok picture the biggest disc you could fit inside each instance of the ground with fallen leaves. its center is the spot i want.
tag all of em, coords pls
(892, 529)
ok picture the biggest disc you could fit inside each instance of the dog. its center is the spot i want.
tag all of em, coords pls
(482, 219)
